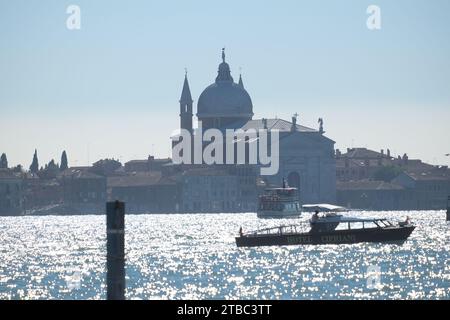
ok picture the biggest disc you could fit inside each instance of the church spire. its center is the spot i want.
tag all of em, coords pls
(186, 106)
(186, 92)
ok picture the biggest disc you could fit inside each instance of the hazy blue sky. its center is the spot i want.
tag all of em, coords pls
(111, 89)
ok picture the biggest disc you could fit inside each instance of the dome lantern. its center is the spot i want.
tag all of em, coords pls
(224, 73)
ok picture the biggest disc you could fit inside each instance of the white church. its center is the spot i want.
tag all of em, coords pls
(306, 156)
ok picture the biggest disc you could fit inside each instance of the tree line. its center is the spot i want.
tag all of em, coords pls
(52, 166)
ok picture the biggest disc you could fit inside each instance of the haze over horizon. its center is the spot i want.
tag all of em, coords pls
(111, 89)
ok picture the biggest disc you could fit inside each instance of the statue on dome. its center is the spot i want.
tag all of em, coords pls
(223, 55)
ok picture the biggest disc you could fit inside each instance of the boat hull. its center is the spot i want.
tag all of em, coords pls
(391, 234)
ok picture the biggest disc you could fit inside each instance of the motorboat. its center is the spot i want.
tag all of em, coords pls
(329, 228)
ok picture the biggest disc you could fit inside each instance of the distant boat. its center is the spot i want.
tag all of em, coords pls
(279, 203)
(324, 230)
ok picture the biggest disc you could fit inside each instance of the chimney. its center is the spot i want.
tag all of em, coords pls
(388, 153)
(264, 121)
(348, 150)
(382, 153)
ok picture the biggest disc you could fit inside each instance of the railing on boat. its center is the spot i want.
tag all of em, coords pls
(305, 226)
(294, 228)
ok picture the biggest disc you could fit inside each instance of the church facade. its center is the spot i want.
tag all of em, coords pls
(306, 155)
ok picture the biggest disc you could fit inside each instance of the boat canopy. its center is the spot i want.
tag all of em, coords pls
(326, 222)
(323, 207)
(342, 219)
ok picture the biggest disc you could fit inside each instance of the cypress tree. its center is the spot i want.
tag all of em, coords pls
(35, 164)
(64, 164)
(3, 161)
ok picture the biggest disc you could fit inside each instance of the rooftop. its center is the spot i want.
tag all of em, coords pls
(274, 124)
(162, 160)
(340, 162)
(367, 185)
(435, 173)
(80, 173)
(140, 180)
(363, 153)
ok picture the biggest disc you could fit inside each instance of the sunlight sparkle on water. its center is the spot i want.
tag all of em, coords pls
(184, 256)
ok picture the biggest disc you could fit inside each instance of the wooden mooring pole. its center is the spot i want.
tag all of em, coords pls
(115, 256)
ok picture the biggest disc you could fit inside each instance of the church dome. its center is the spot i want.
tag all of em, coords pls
(224, 98)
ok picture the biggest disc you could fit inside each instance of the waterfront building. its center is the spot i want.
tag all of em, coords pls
(367, 179)
(83, 190)
(11, 193)
(360, 163)
(427, 189)
(40, 193)
(224, 188)
(371, 195)
(145, 192)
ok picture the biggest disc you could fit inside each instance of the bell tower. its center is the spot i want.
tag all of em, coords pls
(186, 106)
